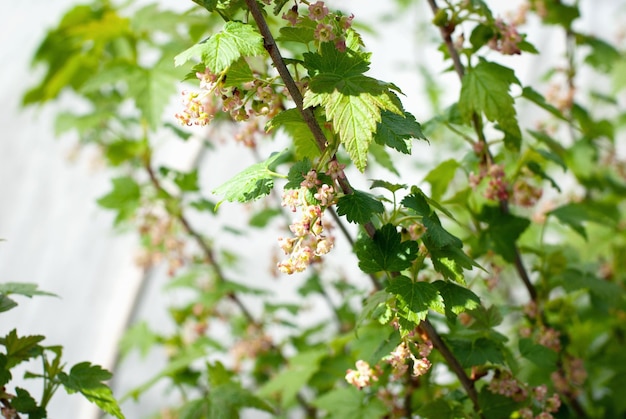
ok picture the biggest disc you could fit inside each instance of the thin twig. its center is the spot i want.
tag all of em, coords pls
(446, 34)
(207, 251)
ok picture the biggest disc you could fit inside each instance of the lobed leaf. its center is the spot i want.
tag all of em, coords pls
(415, 298)
(222, 49)
(250, 184)
(359, 207)
(385, 251)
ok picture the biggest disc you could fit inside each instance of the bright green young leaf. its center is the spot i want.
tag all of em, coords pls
(456, 299)
(385, 251)
(238, 73)
(485, 89)
(138, 336)
(540, 355)
(228, 399)
(476, 352)
(502, 231)
(352, 101)
(287, 383)
(440, 177)
(304, 142)
(88, 380)
(22, 288)
(124, 197)
(222, 49)
(415, 298)
(250, 184)
(20, 349)
(152, 89)
(397, 131)
(348, 402)
(450, 261)
(359, 207)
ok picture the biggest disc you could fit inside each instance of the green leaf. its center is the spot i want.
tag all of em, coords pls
(351, 101)
(261, 218)
(23, 402)
(288, 383)
(538, 170)
(496, 406)
(138, 336)
(224, 48)
(456, 299)
(440, 177)
(348, 402)
(359, 207)
(576, 214)
(485, 89)
(152, 89)
(602, 56)
(238, 73)
(503, 230)
(5, 371)
(391, 187)
(20, 349)
(542, 356)
(415, 298)
(250, 184)
(297, 172)
(383, 158)
(88, 380)
(396, 131)
(574, 279)
(299, 34)
(6, 303)
(22, 288)
(304, 142)
(440, 237)
(476, 352)
(538, 99)
(124, 197)
(385, 251)
(441, 408)
(227, 399)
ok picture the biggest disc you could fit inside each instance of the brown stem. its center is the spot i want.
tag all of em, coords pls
(207, 251)
(309, 118)
(446, 34)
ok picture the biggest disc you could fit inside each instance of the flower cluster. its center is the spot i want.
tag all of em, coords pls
(506, 38)
(329, 26)
(247, 102)
(402, 356)
(363, 376)
(310, 242)
(161, 241)
(547, 405)
(497, 188)
(506, 385)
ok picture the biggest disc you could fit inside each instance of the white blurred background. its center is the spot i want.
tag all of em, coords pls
(57, 237)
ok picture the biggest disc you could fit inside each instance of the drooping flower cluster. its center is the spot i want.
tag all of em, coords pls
(506, 385)
(363, 376)
(401, 358)
(161, 241)
(309, 241)
(497, 188)
(329, 26)
(547, 405)
(506, 38)
(246, 102)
